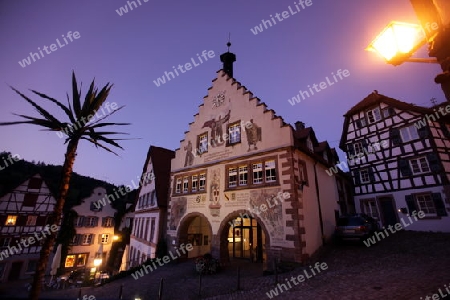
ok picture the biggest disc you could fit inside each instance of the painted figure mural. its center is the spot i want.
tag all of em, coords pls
(189, 160)
(217, 129)
(253, 134)
(177, 211)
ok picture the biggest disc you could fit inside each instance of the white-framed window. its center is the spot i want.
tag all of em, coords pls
(364, 175)
(86, 239)
(105, 238)
(269, 168)
(409, 133)
(257, 173)
(203, 142)
(387, 112)
(202, 182)
(194, 179)
(234, 133)
(243, 175)
(108, 222)
(178, 186)
(31, 220)
(374, 115)
(185, 184)
(425, 203)
(419, 165)
(232, 177)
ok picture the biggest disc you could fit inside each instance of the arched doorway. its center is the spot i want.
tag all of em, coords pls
(195, 229)
(243, 236)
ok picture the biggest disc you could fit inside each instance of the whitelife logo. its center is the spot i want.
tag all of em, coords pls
(33, 55)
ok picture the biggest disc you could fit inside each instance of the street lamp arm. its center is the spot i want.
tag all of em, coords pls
(431, 60)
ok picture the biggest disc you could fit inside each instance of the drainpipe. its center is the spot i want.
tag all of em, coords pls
(318, 202)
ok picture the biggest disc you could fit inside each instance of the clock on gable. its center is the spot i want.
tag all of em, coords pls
(219, 99)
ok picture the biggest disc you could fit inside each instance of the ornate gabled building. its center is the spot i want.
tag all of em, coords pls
(398, 155)
(244, 184)
(150, 212)
(25, 211)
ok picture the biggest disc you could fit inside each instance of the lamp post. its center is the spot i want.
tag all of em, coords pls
(399, 41)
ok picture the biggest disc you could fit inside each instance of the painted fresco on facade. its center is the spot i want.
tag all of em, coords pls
(272, 216)
(216, 127)
(177, 211)
(214, 194)
(254, 135)
(189, 160)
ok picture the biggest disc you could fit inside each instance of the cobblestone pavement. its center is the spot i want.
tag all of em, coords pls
(405, 265)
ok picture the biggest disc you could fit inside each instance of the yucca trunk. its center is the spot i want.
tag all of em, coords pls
(54, 219)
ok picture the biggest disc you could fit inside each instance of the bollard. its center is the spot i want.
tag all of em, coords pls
(160, 293)
(79, 294)
(121, 292)
(200, 286)
(239, 278)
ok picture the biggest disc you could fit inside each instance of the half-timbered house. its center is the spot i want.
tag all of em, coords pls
(24, 214)
(399, 157)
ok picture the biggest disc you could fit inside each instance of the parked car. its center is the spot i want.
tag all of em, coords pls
(355, 227)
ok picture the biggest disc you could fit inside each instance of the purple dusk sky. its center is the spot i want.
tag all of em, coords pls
(133, 50)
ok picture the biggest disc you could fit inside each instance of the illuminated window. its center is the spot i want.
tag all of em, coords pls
(11, 220)
(105, 238)
(70, 261)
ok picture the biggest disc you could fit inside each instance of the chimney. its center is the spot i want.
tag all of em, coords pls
(299, 126)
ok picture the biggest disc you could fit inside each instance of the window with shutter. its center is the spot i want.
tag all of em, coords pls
(410, 203)
(356, 177)
(433, 160)
(394, 135)
(439, 205)
(404, 168)
(350, 149)
(423, 132)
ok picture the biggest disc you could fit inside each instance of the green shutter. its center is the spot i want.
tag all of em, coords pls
(371, 175)
(433, 160)
(439, 205)
(394, 135)
(410, 202)
(404, 167)
(356, 177)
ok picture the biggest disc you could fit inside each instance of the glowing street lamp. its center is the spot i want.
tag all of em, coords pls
(97, 263)
(398, 41)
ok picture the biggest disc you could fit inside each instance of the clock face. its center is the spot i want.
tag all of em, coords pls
(219, 99)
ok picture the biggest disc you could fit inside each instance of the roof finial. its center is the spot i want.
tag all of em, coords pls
(229, 43)
(228, 59)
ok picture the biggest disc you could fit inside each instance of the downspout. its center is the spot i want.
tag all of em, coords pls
(316, 182)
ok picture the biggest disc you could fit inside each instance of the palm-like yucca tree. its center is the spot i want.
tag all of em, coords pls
(79, 128)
